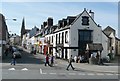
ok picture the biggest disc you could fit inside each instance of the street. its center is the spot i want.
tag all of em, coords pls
(32, 67)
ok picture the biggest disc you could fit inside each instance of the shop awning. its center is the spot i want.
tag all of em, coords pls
(94, 47)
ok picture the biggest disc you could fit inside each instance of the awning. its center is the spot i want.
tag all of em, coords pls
(94, 47)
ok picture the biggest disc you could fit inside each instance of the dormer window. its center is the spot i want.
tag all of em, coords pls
(85, 20)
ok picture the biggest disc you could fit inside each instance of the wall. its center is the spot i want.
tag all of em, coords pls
(105, 42)
(97, 32)
(64, 44)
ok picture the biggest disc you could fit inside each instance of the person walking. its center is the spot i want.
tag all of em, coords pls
(13, 59)
(47, 60)
(52, 60)
(70, 63)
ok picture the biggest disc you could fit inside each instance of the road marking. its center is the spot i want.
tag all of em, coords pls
(41, 71)
(44, 73)
(99, 74)
(90, 74)
(52, 73)
(24, 69)
(11, 69)
(72, 74)
(108, 74)
(62, 73)
(81, 73)
(116, 74)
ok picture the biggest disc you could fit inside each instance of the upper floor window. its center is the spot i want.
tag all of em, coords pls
(62, 37)
(56, 38)
(52, 39)
(85, 20)
(66, 36)
(59, 38)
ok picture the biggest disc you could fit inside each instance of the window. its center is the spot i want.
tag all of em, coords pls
(85, 20)
(52, 39)
(59, 38)
(56, 38)
(62, 37)
(66, 36)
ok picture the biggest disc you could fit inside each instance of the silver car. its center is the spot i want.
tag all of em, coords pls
(17, 53)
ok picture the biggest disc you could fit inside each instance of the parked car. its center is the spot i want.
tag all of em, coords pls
(16, 52)
(20, 49)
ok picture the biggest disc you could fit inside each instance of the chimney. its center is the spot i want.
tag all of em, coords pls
(64, 22)
(41, 26)
(44, 24)
(60, 24)
(91, 14)
(50, 21)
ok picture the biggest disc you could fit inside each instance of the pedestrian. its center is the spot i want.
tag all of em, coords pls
(34, 51)
(47, 60)
(13, 59)
(52, 60)
(70, 63)
(75, 59)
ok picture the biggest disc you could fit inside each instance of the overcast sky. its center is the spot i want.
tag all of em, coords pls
(106, 13)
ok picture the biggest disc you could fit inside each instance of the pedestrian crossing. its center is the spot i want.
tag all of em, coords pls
(65, 73)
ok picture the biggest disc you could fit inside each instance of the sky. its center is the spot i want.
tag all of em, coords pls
(35, 13)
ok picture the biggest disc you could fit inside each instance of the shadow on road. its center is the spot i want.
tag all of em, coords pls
(27, 58)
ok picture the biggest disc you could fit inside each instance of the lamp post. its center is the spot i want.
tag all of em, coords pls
(12, 19)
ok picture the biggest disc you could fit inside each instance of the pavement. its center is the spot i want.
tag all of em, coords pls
(107, 68)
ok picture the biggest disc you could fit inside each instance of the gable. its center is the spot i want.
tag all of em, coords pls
(84, 13)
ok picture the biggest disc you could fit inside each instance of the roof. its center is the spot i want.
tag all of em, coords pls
(105, 34)
(27, 30)
(117, 39)
(95, 47)
(78, 16)
(108, 30)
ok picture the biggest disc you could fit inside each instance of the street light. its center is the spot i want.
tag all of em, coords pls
(12, 19)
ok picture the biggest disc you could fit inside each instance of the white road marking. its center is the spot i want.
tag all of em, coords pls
(90, 74)
(62, 73)
(52, 73)
(11, 69)
(41, 71)
(72, 74)
(116, 74)
(24, 69)
(99, 74)
(44, 73)
(81, 73)
(109, 74)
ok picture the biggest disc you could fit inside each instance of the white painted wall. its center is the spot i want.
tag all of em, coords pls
(65, 44)
(78, 25)
(105, 45)
(113, 43)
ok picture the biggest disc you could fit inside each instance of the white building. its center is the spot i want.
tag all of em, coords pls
(75, 32)
(15, 40)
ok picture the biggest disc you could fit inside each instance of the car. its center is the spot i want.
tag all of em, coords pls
(17, 54)
(20, 49)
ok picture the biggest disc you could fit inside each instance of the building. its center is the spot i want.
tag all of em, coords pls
(15, 39)
(75, 32)
(112, 40)
(28, 39)
(117, 46)
(3, 34)
(23, 30)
